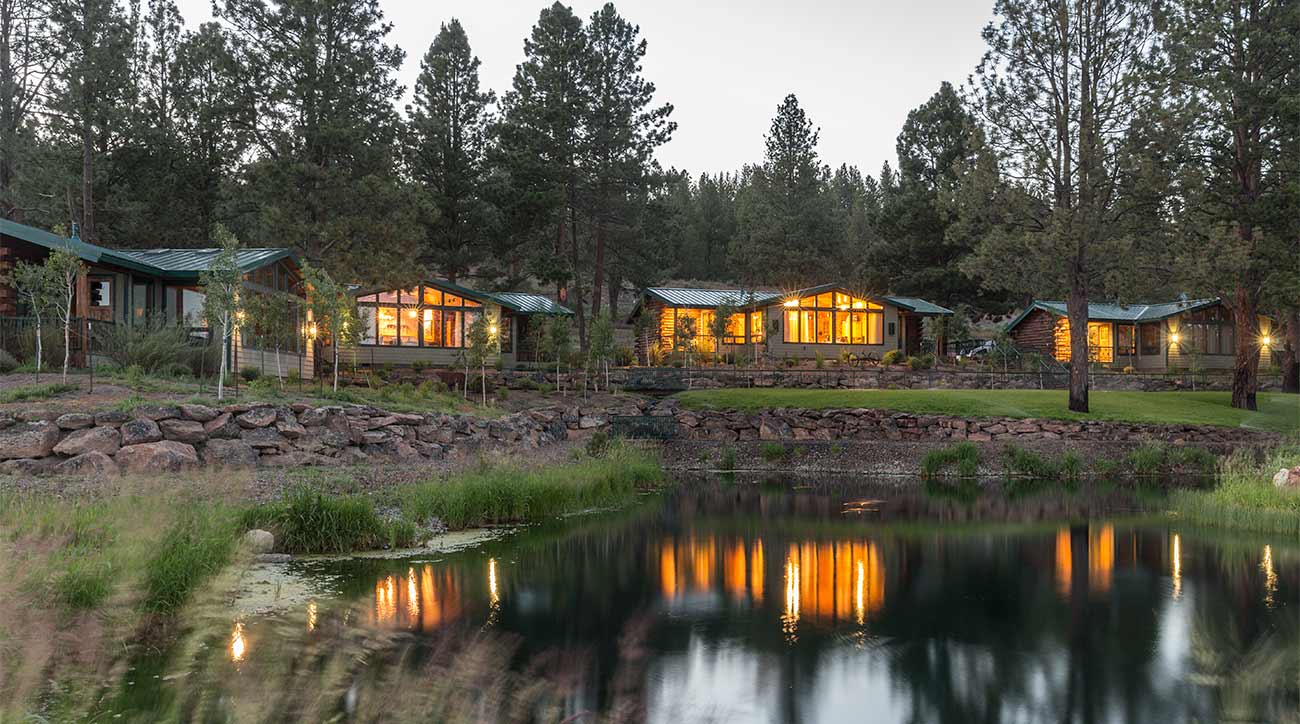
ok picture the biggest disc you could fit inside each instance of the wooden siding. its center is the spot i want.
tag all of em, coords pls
(1035, 332)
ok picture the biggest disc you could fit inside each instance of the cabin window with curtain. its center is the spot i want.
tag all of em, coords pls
(833, 318)
(1101, 341)
(1125, 340)
(1149, 338)
(416, 317)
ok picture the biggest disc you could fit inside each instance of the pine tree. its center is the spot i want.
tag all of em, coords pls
(448, 129)
(27, 51)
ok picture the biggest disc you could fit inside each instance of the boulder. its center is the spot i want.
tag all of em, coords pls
(139, 432)
(111, 418)
(259, 541)
(222, 426)
(587, 422)
(75, 421)
(39, 415)
(90, 463)
(288, 425)
(256, 418)
(264, 438)
(40, 466)
(156, 412)
(157, 457)
(103, 440)
(1287, 478)
(312, 416)
(187, 431)
(224, 453)
(774, 428)
(199, 413)
(28, 440)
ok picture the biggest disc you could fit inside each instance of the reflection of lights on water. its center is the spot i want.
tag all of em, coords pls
(861, 590)
(237, 646)
(790, 619)
(493, 594)
(311, 616)
(1176, 571)
(412, 597)
(1270, 576)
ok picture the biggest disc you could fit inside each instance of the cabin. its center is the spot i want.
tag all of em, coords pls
(829, 320)
(133, 286)
(429, 323)
(1182, 334)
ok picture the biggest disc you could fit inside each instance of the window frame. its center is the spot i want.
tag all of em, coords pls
(833, 308)
(453, 316)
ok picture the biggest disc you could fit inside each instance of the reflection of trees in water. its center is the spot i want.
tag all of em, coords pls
(1058, 625)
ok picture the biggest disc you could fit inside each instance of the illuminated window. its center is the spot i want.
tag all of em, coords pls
(833, 318)
(1101, 341)
(387, 325)
(419, 316)
(409, 326)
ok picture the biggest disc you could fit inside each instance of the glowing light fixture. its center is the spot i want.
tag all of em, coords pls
(792, 302)
(859, 305)
(1175, 337)
(1266, 340)
(492, 330)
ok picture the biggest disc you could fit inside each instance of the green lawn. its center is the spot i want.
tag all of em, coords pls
(1277, 412)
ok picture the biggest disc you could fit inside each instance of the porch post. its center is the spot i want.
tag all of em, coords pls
(8, 296)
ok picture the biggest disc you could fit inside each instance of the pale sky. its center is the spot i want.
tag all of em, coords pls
(857, 67)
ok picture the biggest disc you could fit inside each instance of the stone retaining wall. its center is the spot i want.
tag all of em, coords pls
(166, 438)
(863, 424)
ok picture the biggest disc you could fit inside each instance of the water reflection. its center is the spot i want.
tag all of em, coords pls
(756, 604)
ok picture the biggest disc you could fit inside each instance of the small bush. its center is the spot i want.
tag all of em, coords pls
(1148, 460)
(85, 584)
(774, 452)
(7, 362)
(292, 377)
(1129, 369)
(965, 455)
(893, 357)
(791, 361)
(819, 362)
(248, 374)
(727, 461)
(1071, 466)
(598, 444)
(1029, 464)
(418, 366)
(503, 393)
(624, 356)
(157, 348)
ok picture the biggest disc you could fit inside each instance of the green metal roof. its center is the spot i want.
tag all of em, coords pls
(196, 261)
(709, 298)
(1102, 312)
(526, 303)
(166, 263)
(917, 305)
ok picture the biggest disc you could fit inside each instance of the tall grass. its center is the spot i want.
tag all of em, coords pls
(512, 494)
(156, 347)
(1245, 497)
(965, 456)
(1158, 459)
(308, 521)
(197, 546)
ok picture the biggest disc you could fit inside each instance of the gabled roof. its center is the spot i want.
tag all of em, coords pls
(917, 305)
(526, 303)
(192, 262)
(1101, 312)
(709, 298)
(167, 263)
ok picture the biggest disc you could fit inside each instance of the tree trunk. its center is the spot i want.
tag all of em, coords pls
(615, 288)
(87, 172)
(482, 377)
(1291, 355)
(575, 256)
(221, 371)
(1077, 310)
(67, 335)
(38, 346)
(336, 367)
(1245, 368)
(598, 276)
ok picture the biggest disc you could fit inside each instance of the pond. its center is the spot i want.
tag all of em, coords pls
(771, 601)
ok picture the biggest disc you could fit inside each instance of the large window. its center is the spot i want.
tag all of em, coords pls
(1125, 340)
(416, 317)
(1101, 341)
(1209, 331)
(1149, 338)
(833, 318)
(675, 321)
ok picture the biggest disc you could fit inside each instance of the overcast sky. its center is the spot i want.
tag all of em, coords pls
(858, 66)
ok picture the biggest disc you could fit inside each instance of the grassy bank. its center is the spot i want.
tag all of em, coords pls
(503, 494)
(1245, 497)
(1277, 412)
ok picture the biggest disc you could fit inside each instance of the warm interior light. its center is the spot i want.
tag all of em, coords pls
(792, 302)
(842, 307)
(312, 330)
(411, 313)
(859, 305)
(492, 330)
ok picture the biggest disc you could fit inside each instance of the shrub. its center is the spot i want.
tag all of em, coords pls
(892, 357)
(248, 374)
(1129, 369)
(418, 366)
(35, 392)
(915, 363)
(791, 361)
(292, 377)
(598, 444)
(965, 455)
(51, 345)
(1029, 464)
(503, 393)
(819, 361)
(624, 356)
(927, 360)
(85, 584)
(7, 362)
(157, 348)
(727, 461)
(774, 452)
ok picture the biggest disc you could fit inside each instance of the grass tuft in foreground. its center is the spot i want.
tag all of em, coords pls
(1245, 497)
(308, 521)
(506, 494)
(29, 393)
(964, 456)
(197, 546)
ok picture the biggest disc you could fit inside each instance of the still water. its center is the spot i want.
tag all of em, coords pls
(773, 601)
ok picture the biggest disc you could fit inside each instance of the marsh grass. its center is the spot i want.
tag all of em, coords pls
(197, 546)
(1159, 459)
(965, 456)
(29, 393)
(774, 452)
(514, 494)
(308, 521)
(1245, 497)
